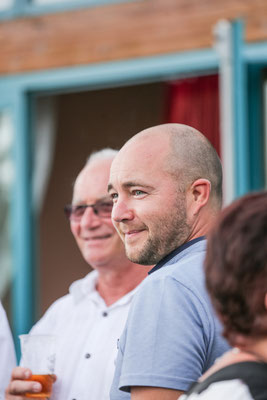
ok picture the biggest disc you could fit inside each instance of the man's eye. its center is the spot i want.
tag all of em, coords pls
(78, 210)
(138, 192)
(114, 196)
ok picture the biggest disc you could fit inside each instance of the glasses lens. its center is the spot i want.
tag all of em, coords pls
(104, 209)
(74, 213)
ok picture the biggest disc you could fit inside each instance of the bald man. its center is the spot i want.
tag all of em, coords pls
(166, 186)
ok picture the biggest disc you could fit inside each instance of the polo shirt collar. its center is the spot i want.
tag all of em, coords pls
(179, 249)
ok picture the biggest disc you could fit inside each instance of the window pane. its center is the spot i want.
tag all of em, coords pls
(6, 180)
(5, 4)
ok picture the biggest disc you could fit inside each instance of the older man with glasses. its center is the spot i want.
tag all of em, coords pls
(89, 320)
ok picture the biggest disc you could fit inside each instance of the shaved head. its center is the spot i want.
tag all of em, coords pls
(190, 157)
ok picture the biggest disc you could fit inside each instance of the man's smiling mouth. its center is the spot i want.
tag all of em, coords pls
(98, 237)
(133, 233)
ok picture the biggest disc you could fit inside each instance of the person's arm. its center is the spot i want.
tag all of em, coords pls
(154, 393)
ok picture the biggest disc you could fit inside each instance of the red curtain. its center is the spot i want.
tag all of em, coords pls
(195, 102)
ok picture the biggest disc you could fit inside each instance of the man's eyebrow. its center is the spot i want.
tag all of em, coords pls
(135, 183)
(80, 202)
(130, 184)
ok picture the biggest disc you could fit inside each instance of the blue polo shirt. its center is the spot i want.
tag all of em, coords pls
(172, 335)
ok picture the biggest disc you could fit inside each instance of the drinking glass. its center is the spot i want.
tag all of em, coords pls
(39, 354)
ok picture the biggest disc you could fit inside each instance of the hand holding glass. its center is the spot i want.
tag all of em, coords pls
(39, 354)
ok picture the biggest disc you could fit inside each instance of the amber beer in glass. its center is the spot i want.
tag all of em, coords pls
(38, 354)
(46, 382)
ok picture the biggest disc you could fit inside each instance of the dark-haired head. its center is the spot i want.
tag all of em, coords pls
(236, 267)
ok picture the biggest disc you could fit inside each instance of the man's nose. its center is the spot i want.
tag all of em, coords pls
(89, 219)
(121, 211)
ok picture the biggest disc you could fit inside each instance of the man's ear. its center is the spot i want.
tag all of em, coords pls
(265, 301)
(200, 194)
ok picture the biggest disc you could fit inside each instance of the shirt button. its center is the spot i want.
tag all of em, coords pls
(104, 314)
(87, 355)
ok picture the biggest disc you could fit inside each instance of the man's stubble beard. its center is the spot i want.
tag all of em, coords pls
(169, 232)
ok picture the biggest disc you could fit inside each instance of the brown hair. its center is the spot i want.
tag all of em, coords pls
(236, 267)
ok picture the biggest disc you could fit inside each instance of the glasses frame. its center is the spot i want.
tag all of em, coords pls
(69, 209)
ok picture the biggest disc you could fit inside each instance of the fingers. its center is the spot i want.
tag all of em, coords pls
(18, 385)
(20, 373)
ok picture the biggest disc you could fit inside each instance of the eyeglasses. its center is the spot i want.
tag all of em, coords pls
(101, 208)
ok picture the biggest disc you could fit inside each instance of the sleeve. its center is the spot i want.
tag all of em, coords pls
(167, 338)
(7, 351)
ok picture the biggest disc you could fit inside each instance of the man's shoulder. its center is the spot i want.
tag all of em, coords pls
(62, 307)
(188, 269)
(62, 302)
(181, 280)
(53, 316)
(58, 307)
(185, 267)
(77, 291)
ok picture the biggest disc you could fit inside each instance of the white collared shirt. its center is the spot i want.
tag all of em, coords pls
(87, 332)
(7, 353)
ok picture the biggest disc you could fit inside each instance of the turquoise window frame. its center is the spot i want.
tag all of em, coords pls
(17, 91)
(256, 126)
(22, 8)
(256, 61)
(239, 95)
(22, 227)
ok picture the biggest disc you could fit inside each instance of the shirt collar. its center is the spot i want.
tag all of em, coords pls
(179, 249)
(86, 287)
